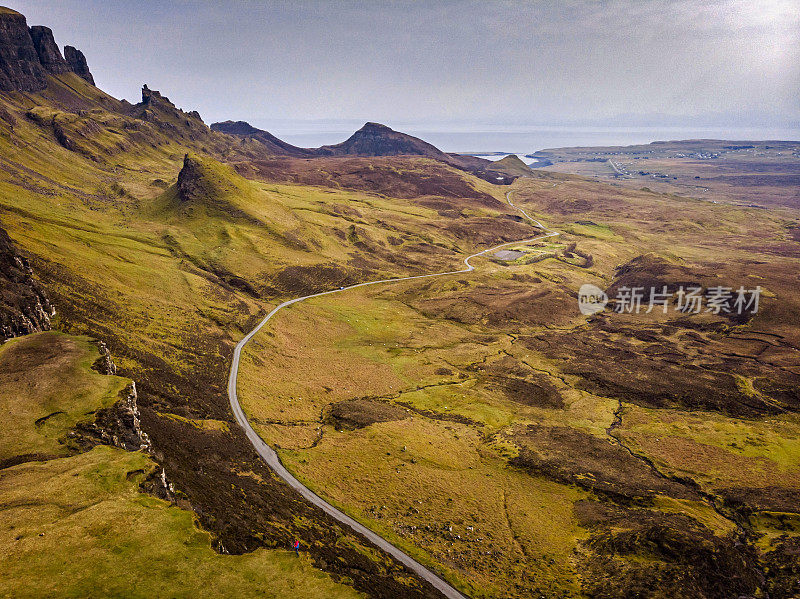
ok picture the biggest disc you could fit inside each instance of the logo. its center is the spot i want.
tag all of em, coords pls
(591, 299)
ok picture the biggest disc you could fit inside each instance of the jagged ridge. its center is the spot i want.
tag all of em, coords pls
(373, 139)
(29, 55)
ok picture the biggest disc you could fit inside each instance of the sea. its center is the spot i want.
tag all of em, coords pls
(495, 144)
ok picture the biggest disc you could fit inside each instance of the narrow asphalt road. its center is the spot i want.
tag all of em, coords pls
(619, 171)
(273, 461)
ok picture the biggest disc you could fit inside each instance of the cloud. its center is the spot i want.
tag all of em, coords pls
(449, 60)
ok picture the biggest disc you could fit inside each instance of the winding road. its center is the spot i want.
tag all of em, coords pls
(273, 461)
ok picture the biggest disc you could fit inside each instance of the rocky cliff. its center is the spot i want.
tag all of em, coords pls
(77, 62)
(24, 305)
(153, 98)
(158, 109)
(20, 68)
(47, 51)
(27, 56)
(192, 184)
(117, 425)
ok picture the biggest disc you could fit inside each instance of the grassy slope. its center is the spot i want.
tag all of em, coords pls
(112, 237)
(155, 279)
(36, 406)
(117, 243)
(78, 525)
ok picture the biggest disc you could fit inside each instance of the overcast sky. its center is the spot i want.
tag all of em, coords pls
(732, 62)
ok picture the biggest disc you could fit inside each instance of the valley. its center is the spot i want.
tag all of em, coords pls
(217, 344)
(452, 402)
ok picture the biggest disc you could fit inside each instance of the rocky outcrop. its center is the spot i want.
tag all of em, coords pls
(208, 187)
(24, 305)
(28, 56)
(153, 98)
(77, 63)
(20, 67)
(118, 425)
(104, 364)
(190, 180)
(157, 484)
(49, 54)
(160, 111)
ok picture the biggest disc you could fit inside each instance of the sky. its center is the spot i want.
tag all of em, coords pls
(447, 63)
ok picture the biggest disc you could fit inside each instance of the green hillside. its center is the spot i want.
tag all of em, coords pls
(478, 421)
(76, 524)
(170, 283)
